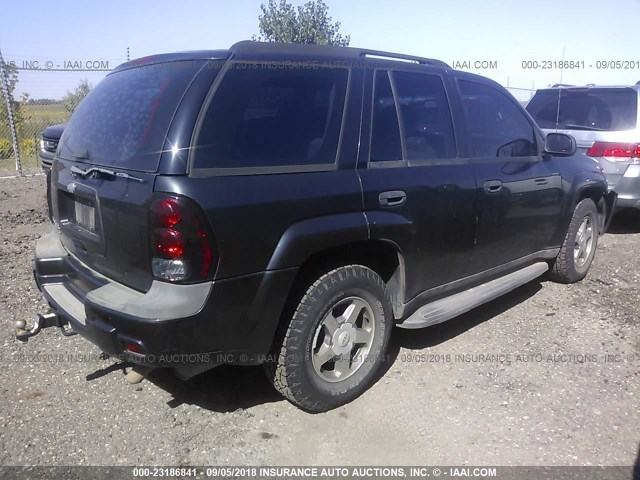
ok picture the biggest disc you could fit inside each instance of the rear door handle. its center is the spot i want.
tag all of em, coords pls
(492, 186)
(393, 198)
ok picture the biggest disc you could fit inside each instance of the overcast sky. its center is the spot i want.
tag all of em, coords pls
(506, 33)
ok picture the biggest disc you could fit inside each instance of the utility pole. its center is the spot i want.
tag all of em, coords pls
(562, 64)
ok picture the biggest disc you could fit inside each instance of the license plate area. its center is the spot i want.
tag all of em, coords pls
(79, 220)
(85, 216)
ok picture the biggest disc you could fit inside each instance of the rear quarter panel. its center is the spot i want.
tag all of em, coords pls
(250, 215)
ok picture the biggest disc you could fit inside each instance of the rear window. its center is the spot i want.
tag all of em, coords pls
(585, 108)
(124, 120)
(261, 116)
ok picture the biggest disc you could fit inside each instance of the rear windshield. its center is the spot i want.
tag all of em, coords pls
(124, 120)
(585, 108)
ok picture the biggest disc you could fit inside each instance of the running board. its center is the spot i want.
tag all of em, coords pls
(449, 307)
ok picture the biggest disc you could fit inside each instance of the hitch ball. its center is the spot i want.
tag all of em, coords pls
(21, 324)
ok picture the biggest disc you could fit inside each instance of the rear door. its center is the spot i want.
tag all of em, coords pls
(519, 193)
(418, 193)
(104, 174)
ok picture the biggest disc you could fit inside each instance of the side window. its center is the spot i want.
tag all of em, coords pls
(265, 117)
(426, 117)
(385, 130)
(497, 127)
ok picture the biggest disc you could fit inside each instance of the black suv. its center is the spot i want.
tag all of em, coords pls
(290, 204)
(49, 139)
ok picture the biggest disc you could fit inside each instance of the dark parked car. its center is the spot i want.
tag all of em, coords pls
(290, 204)
(49, 139)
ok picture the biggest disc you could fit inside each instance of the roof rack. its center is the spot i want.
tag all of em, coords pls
(556, 85)
(378, 55)
(248, 46)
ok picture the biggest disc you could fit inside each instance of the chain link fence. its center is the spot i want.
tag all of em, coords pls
(35, 95)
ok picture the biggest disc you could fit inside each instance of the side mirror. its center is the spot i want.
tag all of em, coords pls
(560, 144)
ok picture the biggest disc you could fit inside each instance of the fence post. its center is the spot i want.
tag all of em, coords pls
(4, 81)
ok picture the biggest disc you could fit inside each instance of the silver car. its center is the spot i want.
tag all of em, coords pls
(605, 121)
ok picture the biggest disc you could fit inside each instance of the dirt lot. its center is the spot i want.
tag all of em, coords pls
(549, 397)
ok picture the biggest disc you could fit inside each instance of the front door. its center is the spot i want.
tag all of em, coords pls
(519, 192)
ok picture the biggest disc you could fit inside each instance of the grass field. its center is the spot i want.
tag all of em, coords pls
(41, 116)
(36, 119)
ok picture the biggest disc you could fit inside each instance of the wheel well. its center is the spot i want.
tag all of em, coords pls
(597, 196)
(382, 257)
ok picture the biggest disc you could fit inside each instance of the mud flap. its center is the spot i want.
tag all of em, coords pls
(610, 200)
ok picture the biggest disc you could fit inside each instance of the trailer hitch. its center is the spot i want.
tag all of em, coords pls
(41, 321)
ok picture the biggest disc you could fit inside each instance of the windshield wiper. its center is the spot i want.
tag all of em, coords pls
(103, 171)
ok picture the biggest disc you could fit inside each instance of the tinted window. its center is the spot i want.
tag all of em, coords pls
(497, 127)
(263, 117)
(124, 120)
(385, 130)
(426, 118)
(585, 108)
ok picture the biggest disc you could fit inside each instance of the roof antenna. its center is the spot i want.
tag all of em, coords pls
(560, 90)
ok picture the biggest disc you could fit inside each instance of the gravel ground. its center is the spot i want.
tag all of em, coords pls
(549, 398)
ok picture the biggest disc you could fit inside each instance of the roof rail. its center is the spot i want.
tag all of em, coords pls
(556, 85)
(248, 45)
(376, 54)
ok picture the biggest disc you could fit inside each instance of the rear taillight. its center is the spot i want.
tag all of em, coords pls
(615, 150)
(181, 246)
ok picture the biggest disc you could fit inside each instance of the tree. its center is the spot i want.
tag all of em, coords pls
(11, 73)
(310, 23)
(72, 99)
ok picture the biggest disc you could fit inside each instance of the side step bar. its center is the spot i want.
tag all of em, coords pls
(449, 307)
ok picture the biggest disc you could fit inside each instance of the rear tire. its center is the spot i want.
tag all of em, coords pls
(332, 348)
(579, 247)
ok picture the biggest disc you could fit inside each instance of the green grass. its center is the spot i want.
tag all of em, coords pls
(36, 119)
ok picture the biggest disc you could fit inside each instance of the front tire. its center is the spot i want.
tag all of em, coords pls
(333, 346)
(579, 247)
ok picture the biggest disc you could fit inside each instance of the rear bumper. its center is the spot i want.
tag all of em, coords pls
(177, 326)
(624, 179)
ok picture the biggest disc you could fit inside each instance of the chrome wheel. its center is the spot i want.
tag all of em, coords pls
(343, 339)
(583, 242)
